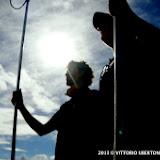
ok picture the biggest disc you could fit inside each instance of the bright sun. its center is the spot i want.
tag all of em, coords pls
(56, 49)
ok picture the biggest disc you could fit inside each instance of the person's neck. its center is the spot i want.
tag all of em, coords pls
(73, 91)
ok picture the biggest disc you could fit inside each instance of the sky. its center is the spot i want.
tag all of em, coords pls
(57, 32)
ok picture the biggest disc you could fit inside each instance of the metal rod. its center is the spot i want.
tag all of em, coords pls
(18, 82)
(115, 87)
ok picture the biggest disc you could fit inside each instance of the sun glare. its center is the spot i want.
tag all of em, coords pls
(56, 49)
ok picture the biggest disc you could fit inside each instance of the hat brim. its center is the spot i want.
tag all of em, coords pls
(100, 18)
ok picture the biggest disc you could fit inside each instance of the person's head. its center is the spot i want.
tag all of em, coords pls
(103, 22)
(79, 74)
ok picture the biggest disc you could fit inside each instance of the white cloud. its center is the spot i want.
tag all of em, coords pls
(63, 4)
(52, 157)
(6, 119)
(36, 157)
(7, 79)
(40, 157)
(36, 95)
(22, 157)
(53, 135)
(17, 149)
(4, 141)
(35, 99)
(43, 119)
(23, 128)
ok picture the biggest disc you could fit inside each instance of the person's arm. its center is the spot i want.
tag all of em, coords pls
(38, 127)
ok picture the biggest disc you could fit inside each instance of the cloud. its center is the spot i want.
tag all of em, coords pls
(4, 141)
(63, 4)
(36, 94)
(22, 157)
(23, 129)
(6, 121)
(7, 79)
(36, 157)
(40, 157)
(17, 149)
(37, 99)
(52, 157)
(53, 135)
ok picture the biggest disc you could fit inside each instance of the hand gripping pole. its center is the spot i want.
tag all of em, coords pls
(18, 82)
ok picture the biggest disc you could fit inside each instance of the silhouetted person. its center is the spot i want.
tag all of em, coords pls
(76, 120)
(138, 48)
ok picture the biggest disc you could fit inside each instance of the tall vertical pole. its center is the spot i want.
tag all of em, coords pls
(115, 87)
(18, 82)
(119, 85)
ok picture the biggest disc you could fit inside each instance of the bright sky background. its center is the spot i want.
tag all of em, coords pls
(57, 32)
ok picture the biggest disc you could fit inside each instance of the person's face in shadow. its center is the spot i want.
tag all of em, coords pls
(72, 77)
(103, 22)
(69, 81)
(107, 34)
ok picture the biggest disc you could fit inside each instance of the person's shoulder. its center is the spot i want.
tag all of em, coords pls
(66, 105)
(94, 94)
